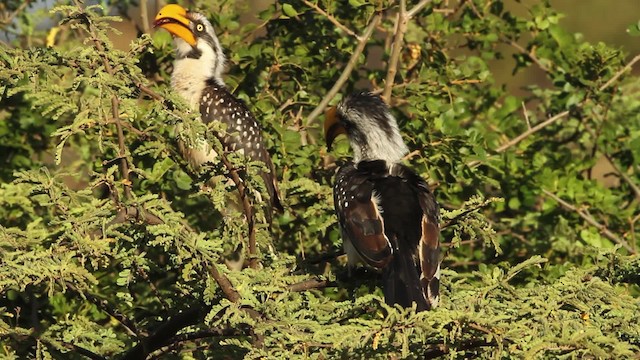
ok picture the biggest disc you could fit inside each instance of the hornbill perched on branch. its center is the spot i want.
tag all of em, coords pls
(197, 76)
(387, 215)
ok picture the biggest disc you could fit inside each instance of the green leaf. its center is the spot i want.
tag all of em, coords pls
(289, 10)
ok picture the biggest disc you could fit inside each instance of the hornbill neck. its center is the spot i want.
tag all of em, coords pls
(375, 144)
(191, 76)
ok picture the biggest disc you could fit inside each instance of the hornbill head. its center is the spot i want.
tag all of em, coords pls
(371, 128)
(195, 39)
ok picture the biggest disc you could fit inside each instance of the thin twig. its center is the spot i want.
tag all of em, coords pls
(530, 54)
(149, 92)
(625, 177)
(9, 19)
(164, 332)
(248, 210)
(589, 219)
(178, 340)
(402, 22)
(556, 117)
(526, 115)
(400, 28)
(115, 113)
(347, 70)
(104, 305)
(332, 19)
(532, 130)
(620, 72)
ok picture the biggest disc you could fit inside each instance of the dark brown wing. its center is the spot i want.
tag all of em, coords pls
(391, 218)
(244, 132)
(359, 216)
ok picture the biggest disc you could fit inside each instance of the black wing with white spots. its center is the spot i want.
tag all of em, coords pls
(391, 219)
(243, 132)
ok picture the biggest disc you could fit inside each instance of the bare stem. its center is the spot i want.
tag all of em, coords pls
(347, 70)
(402, 22)
(144, 16)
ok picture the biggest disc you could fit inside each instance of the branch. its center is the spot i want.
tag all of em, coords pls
(551, 120)
(620, 72)
(347, 70)
(166, 331)
(9, 19)
(229, 292)
(589, 219)
(144, 16)
(332, 19)
(177, 340)
(624, 176)
(309, 284)
(248, 209)
(402, 21)
(530, 54)
(149, 92)
(132, 213)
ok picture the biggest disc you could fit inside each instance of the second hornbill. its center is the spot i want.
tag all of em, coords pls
(197, 77)
(388, 217)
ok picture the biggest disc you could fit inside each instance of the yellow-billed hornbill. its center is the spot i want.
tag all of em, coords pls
(197, 77)
(387, 215)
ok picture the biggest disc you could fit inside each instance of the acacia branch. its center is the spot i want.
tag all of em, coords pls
(347, 70)
(589, 219)
(309, 284)
(551, 120)
(329, 17)
(175, 342)
(9, 19)
(227, 288)
(247, 207)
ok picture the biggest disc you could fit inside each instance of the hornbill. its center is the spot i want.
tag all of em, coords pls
(387, 215)
(197, 77)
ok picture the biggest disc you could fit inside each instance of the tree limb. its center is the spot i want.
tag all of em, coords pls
(165, 332)
(347, 70)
